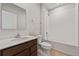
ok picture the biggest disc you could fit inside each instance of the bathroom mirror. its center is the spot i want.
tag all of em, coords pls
(9, 20)
(13, 17)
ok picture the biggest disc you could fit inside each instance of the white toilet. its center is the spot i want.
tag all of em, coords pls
(45, 45)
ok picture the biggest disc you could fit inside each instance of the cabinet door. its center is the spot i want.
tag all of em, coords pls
(24, 53)
(0, 53)
(34, 53)
(33, 48)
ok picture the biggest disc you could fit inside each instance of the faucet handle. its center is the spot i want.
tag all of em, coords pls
(17, 36)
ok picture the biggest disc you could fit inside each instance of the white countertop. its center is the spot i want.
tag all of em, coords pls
(5, 43)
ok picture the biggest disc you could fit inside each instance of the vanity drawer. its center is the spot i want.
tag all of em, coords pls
(31, 43)
(14, 50)
(24, 53)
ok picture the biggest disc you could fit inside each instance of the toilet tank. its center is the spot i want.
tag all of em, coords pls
(39, 38)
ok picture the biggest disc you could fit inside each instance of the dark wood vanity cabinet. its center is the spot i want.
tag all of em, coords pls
(24, 49)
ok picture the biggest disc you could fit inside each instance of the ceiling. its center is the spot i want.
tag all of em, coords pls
(52, 5)
(49, 6)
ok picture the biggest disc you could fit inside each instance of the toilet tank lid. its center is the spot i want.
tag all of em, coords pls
(45, 44)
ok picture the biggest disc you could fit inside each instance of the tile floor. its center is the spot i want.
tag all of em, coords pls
(52, 52)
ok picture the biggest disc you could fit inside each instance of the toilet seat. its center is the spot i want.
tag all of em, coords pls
(46, 45)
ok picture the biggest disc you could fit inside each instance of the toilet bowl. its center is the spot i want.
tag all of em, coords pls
(44, 44)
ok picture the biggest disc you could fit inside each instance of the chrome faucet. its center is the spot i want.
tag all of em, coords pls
(18, 36)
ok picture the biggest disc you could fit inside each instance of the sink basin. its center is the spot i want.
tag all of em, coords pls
(6, 41)
(24, 37)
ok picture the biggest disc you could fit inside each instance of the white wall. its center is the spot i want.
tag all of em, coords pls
(0, 17)
(78, 24)
(33, 17)
(64, 25)
(44, 22)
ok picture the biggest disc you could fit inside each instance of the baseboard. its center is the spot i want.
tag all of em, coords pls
(66, 49)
